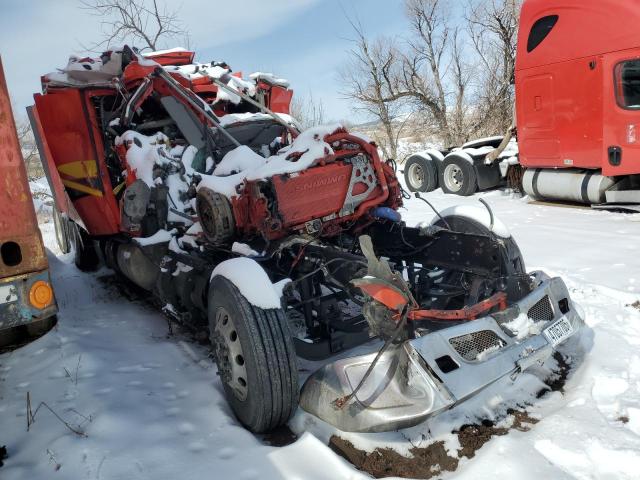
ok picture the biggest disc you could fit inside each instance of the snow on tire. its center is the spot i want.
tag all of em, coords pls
(256, 358)
(421, 173)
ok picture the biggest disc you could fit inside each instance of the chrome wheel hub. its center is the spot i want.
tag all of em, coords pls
(416, 175)
(229, 355)
(453, 177)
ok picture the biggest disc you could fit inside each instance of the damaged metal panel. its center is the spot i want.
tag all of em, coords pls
(21, 247)
(15, 307)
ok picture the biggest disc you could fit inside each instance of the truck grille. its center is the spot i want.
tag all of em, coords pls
(542, 310)
(471, 345)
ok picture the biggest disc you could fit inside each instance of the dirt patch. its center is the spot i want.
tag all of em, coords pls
(624, 419)
(472, 437)
(428, 462)
(635, 305)
(556, 381)
(425, 462)
(280, 437)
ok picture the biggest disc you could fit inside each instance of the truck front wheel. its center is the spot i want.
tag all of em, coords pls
(458, 176)
(256, 358)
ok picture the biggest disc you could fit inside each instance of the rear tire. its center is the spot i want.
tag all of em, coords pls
(256, 358)
(421, 174)
(86, 255)
(458, 176)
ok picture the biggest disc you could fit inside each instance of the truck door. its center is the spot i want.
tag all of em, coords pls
(540, 145)
(621, 105)
(75, 147)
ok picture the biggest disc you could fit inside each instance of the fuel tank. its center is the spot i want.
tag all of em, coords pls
(570, 185)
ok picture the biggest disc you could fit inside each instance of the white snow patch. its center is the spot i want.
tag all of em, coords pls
(252, 281)
(244, 249)
(161, 236)
(143, 153)
(522, 326)
(237, 160)
(269, 78)
(306, 149)
(480, 215)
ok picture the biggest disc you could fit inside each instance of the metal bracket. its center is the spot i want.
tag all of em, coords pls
(362, 172)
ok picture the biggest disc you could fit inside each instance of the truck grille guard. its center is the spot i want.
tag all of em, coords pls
(424, 376)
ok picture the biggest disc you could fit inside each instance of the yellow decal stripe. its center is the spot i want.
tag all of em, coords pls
(80, 169)
(81, 188)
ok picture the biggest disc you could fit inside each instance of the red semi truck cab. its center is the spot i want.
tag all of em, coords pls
(26, 295)
(578, 88)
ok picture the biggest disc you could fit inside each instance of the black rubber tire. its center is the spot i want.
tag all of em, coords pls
(61, 226)
(429, 169)
(466, 178)
(269, 356)
(85, 253)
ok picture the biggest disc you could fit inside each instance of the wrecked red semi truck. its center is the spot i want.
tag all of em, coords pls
(26, 297)
(577, 89)
(197, 186)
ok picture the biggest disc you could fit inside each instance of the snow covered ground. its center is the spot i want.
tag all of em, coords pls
(151, 407)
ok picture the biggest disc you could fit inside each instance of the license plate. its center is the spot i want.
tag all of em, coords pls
(559, 331)
(8, 294)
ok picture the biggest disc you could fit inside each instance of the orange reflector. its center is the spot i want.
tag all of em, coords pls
(40, 294)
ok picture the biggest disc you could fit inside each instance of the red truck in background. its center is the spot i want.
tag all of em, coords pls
(26, 295)
(577, 84)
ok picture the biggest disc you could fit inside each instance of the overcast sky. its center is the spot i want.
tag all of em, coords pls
(304, 41)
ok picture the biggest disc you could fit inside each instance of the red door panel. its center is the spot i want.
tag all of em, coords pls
(76, 151)
(621, 114)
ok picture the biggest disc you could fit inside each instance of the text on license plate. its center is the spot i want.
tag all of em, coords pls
(559, 331)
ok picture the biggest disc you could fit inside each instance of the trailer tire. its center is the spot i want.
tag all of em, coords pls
(458, 176)
(85, 254)
(421, 173)
(256, 343)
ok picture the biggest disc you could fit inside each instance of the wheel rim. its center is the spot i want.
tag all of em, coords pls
(453, 177)
(416, 175)
(57, 224)
(229, 355)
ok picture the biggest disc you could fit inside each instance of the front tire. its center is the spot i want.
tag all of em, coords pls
(458, 176)
(256, 358)
(421, 174)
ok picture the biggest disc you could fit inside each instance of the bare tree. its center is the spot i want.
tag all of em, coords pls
(368, 79)
(29, 149)
(493, 28)
(434, 75)
(145, 21)
(307, 111)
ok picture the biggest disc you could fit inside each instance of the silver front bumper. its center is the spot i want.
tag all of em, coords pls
(426, 375)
